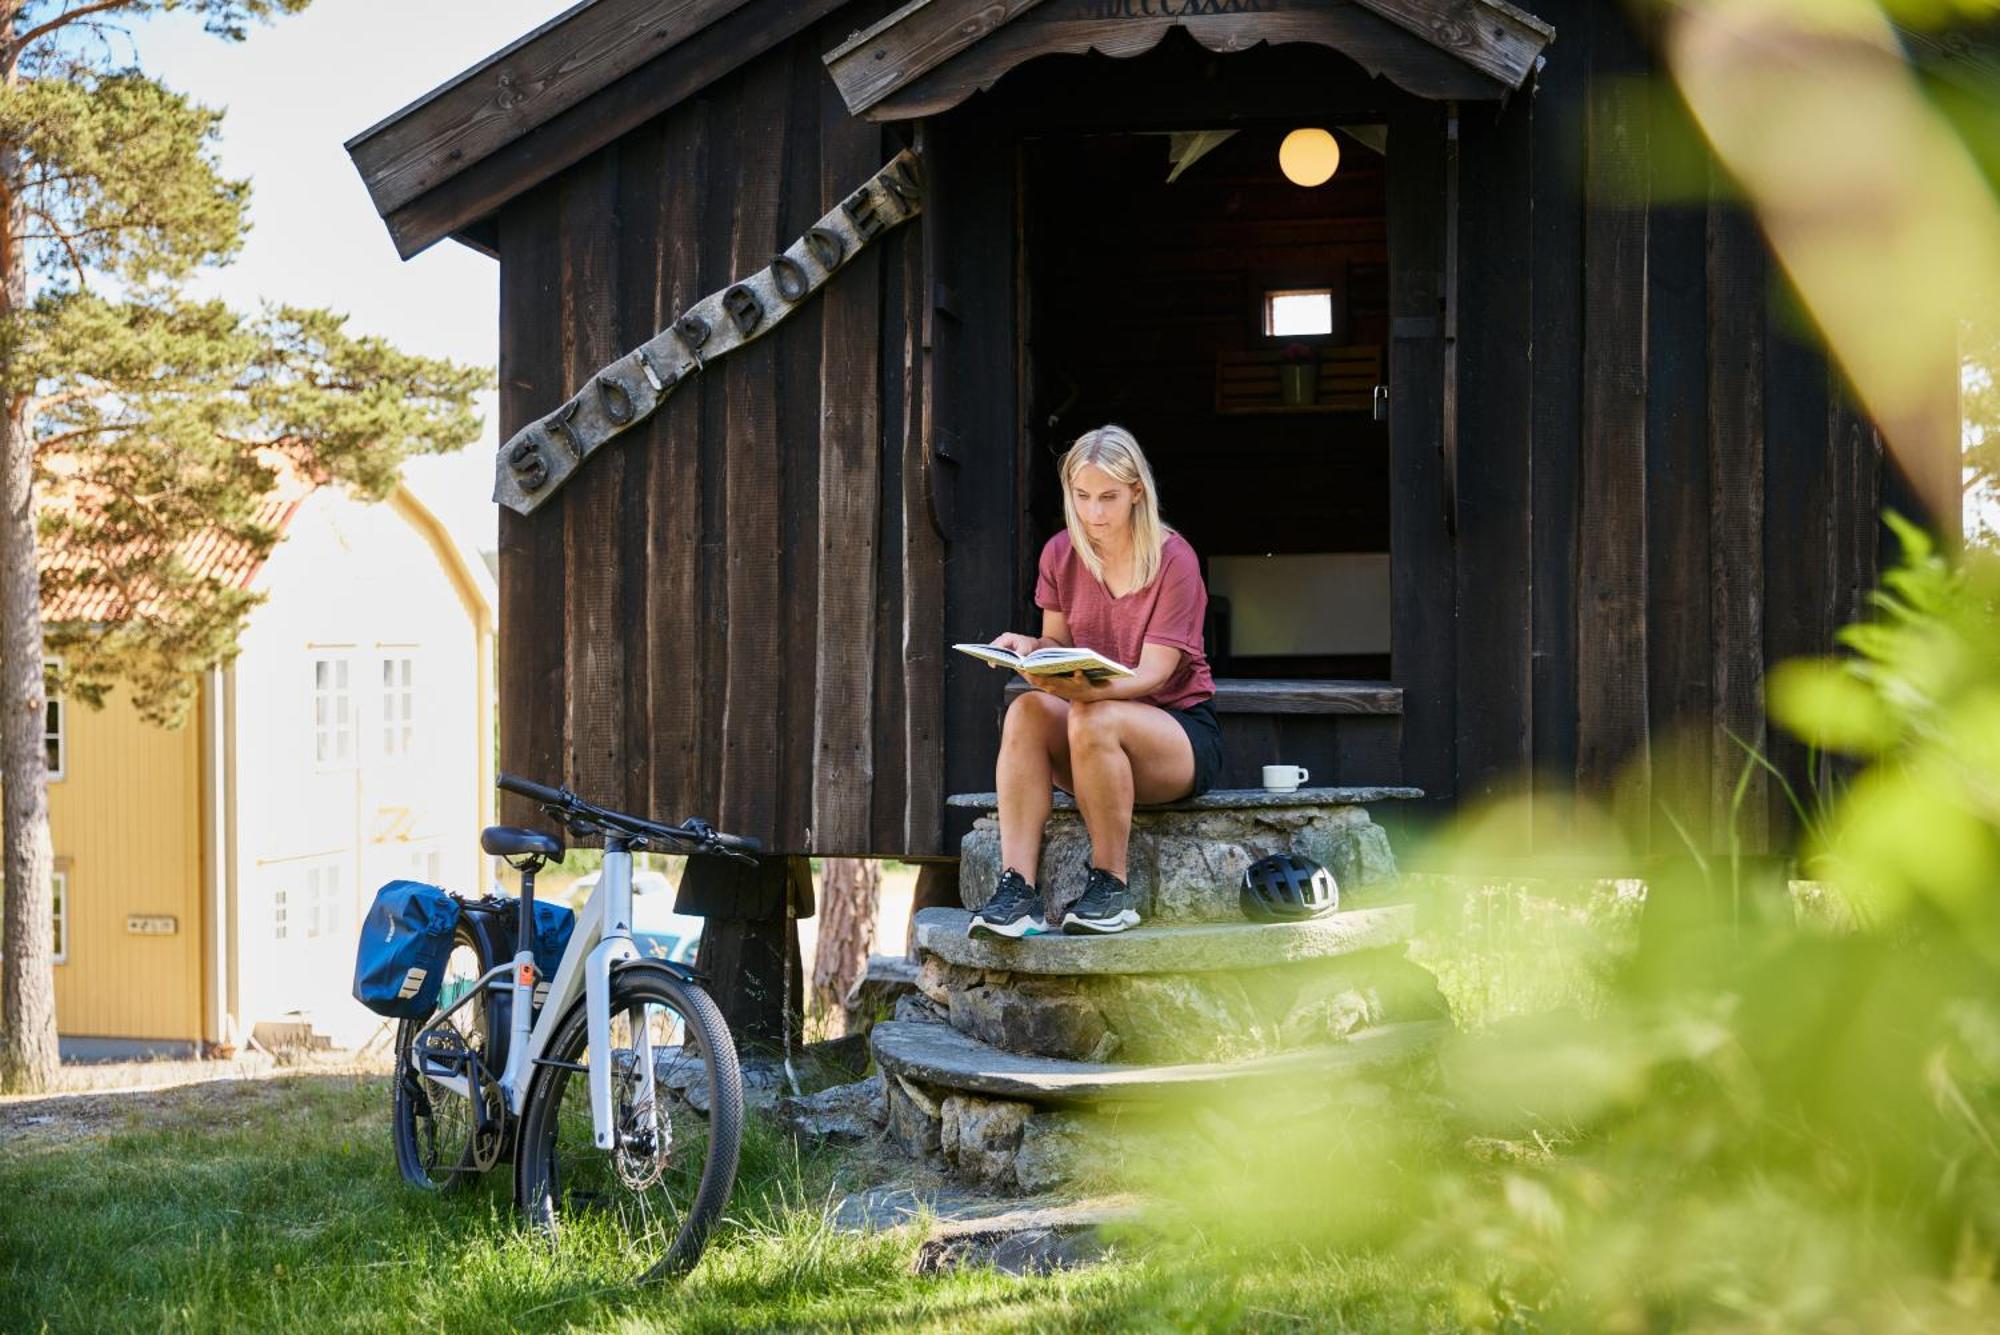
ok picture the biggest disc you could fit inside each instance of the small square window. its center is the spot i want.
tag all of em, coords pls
(54, 719)
(333, 714)
(59, 882)
(399, 706)
(1298, 313)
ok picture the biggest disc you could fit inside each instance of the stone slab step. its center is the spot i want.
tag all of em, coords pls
(1190, 948)
(1229, 799)
(1185, 863)
(938, 1055)
(946, 1211)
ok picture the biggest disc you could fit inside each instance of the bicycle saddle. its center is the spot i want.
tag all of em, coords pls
(512, 841)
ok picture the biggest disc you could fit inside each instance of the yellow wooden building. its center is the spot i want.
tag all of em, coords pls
(210, 879)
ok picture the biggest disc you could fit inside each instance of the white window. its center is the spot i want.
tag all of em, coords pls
(328, 887)
(313, 903)
(333, 713)
(61, 881)
(1298, 312)
(53, 719)
(399, 705)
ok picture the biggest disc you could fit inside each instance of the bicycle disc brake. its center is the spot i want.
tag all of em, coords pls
(644, 1131)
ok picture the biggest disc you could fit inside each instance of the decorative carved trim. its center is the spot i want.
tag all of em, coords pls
(933, 54)
(541, 456)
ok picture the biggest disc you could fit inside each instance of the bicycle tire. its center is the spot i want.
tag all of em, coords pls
(553, 1175)
(421, 1160)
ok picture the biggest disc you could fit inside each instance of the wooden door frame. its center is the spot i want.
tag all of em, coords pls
(1423, 393)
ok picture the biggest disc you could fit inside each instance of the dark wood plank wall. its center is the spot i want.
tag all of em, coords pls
(1678, 621)
(1495, 475)
(1700, 491)
(974, 225)
(533, 570)
(712, 619)
(1555, 301)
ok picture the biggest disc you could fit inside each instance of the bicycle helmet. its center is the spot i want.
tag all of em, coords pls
(1286, 888)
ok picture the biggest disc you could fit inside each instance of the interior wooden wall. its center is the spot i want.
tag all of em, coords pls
(1139, 283)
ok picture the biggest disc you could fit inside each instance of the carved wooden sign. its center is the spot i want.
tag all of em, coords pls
(540, 457)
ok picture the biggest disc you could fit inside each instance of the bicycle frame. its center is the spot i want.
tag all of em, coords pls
(602, 939)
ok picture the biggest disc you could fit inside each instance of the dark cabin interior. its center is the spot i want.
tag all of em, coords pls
(1150, 303)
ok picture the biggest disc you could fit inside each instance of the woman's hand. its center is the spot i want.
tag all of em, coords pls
(1015, 643)
(1071, 686)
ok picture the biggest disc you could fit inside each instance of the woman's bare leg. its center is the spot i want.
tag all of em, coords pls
(1034, 756)
(1121, 752)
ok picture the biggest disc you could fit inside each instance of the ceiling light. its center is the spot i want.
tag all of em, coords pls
(1308, 157)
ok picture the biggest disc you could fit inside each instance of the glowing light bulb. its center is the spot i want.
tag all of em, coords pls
(1308, 157)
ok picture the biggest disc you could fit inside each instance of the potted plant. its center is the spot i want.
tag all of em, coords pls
(1298, 374)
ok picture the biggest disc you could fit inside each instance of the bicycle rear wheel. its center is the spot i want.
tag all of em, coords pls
(661, 1189)
(436, 1133)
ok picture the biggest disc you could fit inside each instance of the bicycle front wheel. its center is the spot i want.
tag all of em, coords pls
(660, 1189)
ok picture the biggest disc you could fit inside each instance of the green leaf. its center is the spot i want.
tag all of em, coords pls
(1828, 706)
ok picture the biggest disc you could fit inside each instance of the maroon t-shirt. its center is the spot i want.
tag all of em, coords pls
(1167, 611)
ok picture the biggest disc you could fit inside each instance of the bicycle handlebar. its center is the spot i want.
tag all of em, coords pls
(569, 804)
(529, 788)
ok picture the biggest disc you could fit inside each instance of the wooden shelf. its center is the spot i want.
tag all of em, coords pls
(1236, 695)
(1296, 408)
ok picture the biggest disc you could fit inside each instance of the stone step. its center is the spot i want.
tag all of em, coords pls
(1187, 948)
(939, 1056)
(1185, 861)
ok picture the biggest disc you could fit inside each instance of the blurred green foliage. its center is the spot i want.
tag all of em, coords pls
(1777, 1109)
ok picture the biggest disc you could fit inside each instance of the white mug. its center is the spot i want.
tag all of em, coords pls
(1284, 778)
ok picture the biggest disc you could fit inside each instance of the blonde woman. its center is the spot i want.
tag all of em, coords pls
(1118, 580)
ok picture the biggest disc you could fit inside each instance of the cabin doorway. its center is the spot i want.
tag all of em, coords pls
(1177, 283)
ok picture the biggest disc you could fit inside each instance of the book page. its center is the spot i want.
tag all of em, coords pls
(987, 653)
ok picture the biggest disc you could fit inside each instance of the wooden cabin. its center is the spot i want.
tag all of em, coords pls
(1549, 473)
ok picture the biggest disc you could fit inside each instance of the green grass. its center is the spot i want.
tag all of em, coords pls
(275, 1205)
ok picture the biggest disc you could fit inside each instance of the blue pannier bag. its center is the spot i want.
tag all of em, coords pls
(554, 924)
(405, 941)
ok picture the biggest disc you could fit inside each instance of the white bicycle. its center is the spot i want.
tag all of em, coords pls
(592, 1078)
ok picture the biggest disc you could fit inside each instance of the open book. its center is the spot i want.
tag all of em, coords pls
(1094, 666)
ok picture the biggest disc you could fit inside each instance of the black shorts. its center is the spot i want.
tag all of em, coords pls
(1204, 734)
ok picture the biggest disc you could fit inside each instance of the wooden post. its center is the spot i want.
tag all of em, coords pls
(750, 942)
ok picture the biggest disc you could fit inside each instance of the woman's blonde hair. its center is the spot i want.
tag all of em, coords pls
(1112, 449)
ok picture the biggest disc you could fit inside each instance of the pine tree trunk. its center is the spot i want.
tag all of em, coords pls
(28, 1057)
(850, 895)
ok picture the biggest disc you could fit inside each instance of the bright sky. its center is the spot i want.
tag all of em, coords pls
(294, 92)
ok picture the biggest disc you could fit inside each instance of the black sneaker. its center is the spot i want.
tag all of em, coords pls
(1106, 907)
(1014, 911)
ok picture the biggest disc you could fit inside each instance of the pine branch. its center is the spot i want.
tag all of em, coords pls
(60, 21)
(62, 239)
(83, 432)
